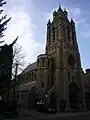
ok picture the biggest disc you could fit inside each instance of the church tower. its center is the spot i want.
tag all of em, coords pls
(62, 47)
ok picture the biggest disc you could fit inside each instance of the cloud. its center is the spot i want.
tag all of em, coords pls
(21, 25)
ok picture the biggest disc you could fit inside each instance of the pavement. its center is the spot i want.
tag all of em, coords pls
(32, 113)
(26, 114)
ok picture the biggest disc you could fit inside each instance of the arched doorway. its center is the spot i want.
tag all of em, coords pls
(73, 95)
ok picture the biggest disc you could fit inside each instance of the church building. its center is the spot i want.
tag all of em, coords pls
(57, 74)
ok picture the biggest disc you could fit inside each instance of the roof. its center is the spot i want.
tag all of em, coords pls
(26, 86)
(30, 67)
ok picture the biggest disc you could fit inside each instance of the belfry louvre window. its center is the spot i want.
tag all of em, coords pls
(53, 33)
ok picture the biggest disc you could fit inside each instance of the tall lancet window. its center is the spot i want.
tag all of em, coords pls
(68, 33)
(49, 36)
(53, 34)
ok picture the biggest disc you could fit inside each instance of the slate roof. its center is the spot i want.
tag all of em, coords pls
(26, 86)
(30, 67)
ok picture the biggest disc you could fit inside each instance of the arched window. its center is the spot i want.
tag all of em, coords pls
(68, 76)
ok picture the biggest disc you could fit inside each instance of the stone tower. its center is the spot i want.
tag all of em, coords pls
(62, 52)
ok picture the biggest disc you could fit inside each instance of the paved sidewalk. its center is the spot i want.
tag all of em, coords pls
(26, 114)
(30, 112)
(34, 113)
(73, 114)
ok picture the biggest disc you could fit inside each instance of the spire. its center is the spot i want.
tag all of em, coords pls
(54, 14)
(72, 21)
(65, 12)
(49, 22)
(59, 8)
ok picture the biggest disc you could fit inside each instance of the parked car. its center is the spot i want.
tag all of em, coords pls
(41, 107)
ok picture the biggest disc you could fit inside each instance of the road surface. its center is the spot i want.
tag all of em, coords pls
(32, 115)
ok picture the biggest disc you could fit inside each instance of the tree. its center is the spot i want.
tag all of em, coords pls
(3, 20)
(6, 60)
(5, 67)
(18, 64)
(18, 58)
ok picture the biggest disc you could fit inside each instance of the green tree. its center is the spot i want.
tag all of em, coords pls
(6, 61)
(5, 67)
(3, 19)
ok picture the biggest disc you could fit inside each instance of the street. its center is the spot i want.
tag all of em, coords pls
(32, 115)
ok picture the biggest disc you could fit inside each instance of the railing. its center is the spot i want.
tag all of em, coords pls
(52, 89)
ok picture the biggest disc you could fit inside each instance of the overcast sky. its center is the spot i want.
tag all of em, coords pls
(29, 18)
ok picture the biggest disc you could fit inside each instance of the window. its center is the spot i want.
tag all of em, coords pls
(68, 76)
(35, 76)
(48, 83)
(71, 61)
(53, 33)
(42, 62)
(30, 77)
(68, 33)
(42, 85)
(18, 96)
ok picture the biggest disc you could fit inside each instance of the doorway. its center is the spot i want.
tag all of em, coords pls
(74, 95)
